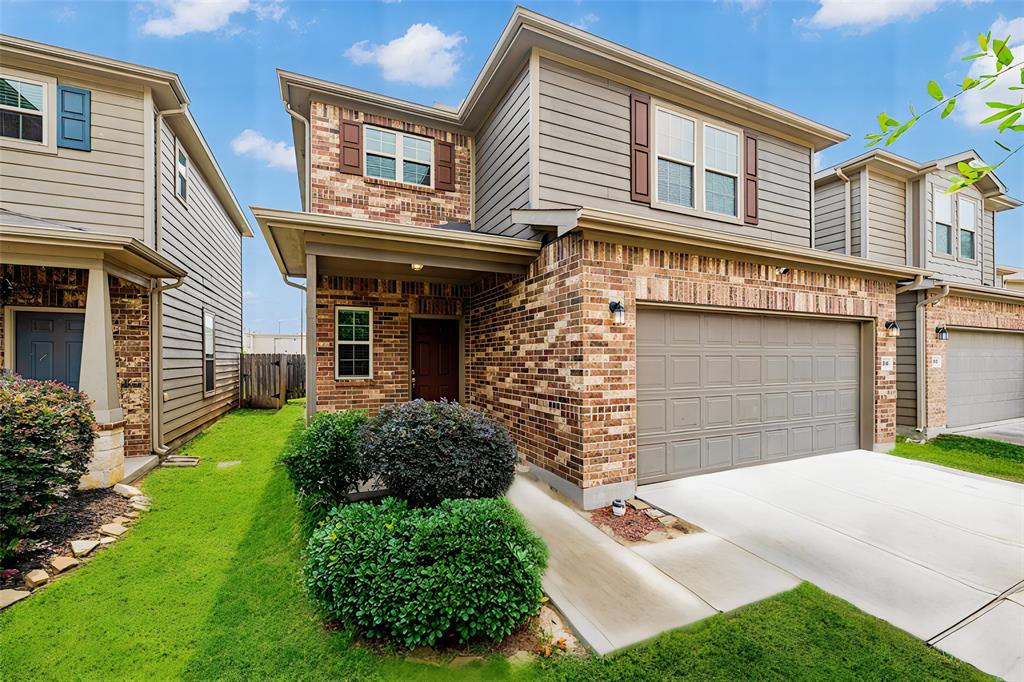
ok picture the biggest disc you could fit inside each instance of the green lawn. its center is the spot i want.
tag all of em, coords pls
(977, 455)
(206, 586)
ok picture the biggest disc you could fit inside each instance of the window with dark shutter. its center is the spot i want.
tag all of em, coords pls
(640, 147)
(351, 147)
(750, 178)
(73, 105)
(444, 159)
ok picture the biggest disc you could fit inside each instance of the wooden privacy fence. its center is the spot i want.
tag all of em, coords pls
(269, 379)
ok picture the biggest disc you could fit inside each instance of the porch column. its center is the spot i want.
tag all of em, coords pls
(98, 380)
(310, 336)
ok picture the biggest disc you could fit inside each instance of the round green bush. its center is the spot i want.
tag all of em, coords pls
(426, 452)
(325, 461)
(464, 570)
(46, 437)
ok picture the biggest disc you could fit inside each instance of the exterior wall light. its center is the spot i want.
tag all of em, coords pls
(618, 312)
(891, 328)
(942, 333)
(416, 266)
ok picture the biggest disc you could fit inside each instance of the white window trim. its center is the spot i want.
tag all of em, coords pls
(938, 191)
(49, 85)
(213, 318)
(977, 222)
(179, 149)
(399, 156)
(700, 205)
(338, 343)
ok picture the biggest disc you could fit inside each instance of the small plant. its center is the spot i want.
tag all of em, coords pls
(46, 438)
(325, 461)
(464, 570)
(427, 452)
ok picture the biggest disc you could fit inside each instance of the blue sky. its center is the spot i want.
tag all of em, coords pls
(834, 61)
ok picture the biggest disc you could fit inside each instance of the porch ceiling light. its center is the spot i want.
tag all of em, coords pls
(942, 333)
(618, 312)
(416, 266)
(891, 328)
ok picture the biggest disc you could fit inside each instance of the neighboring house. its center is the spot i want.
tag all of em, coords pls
(613, 256)
(121, 244)
(960, 353)
(1010, 277)
(288, 344)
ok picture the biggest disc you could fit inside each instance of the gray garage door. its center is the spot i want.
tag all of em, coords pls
(717, 390)
(984, 378)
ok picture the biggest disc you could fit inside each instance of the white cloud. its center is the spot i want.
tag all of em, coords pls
(249, 296)
(424, 56)
(179, 17)
(867, 15)
(971, 108)
(748, 5)
(586, 21)
(255, 145)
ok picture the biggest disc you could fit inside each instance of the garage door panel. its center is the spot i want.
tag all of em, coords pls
(650, 371)
(739, 391)
(985, 377)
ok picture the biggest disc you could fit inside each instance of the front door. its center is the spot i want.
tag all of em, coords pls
(435, 359)
(48, 346)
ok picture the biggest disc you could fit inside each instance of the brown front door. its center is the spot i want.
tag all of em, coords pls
(435, 359)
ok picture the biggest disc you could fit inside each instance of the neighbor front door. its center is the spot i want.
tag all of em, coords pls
(48, 346)
(435, 359)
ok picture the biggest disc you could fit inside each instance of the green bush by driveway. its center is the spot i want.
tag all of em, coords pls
(976, 455)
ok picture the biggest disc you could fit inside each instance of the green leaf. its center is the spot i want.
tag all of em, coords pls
(999, 105)
(899, 131)
(935, 91)
(950, 105)
(1009, 122)
(1005, 148)
(975, 56)
(968, 83)
(983, 42)
(965, 168)
(998, 115)
(1017, 128)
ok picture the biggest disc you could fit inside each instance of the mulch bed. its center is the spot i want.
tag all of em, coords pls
(79, 516)
(633, 525)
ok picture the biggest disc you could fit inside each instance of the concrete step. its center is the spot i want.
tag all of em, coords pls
(137, 467)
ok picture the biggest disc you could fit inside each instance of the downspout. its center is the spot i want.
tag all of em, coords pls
(922, 350)
(156, 346)
(307, 199)
(847, 218)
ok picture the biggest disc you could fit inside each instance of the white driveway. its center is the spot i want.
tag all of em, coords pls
(936, 552)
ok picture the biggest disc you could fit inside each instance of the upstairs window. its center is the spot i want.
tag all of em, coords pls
(675, 147)
(209, 352)
(353, 357)
(181, 172)
(391, 155)
(967, 222)
(722, 164)
(943, 210)
(22, 109)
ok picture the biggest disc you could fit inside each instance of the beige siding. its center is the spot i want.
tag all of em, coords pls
(906, 362)
(502, 170)
(952, 268)
(99, 190)
(887, 227)
(830, 217)
(584, 160)
(199, 237)
(988, 248)
(855, 210)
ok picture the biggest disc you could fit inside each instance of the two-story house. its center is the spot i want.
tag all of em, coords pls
(960, 353)
(612, 255)
(120, 250)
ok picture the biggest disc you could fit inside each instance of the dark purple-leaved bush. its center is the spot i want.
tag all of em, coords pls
(46, 437)
(426, 452)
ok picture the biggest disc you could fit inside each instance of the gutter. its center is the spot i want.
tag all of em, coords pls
(306, 184)
(922, 349)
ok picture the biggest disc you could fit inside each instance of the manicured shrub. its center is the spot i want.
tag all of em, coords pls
(426, 452)
(325, 461)
(46, 437)
(464, 570)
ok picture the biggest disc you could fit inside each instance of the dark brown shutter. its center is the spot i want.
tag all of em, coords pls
(444, 166)
(352, 147)
(750, 179)
(640, 147)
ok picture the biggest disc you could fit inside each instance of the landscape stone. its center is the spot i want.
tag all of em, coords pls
(654, 513)
(64, 563)
(83, 547)
(36, 578)
(105, 540)
(668, 520)
(132, 514)
(462, 660)
(121, 519)
(127, 490)
(225, 465)
(8, 597)
(639, 505)
(520, 658)
(115, 530)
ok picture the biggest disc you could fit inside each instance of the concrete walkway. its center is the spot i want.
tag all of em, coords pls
(1008, 432)
(614, 597)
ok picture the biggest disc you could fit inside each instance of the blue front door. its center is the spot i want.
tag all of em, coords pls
(49, 346)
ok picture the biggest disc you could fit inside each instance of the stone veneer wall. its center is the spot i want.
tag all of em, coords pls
(337, 193)
(959, 311)
(129, 303)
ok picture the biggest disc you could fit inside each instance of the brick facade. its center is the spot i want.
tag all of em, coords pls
(958, 311)
(44, 287)
(355, 196)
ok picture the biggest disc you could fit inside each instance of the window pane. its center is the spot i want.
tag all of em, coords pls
(361, 368)
(416, 173)
(360, 317)
(417, 149)
(943, 238)
(32, 127)
(966, 214)
(720, 193)
(346, 333)
(182, 186)
(943, 207)
(966, 244)
(31, 96)
(675, 183)
(9, 92)
(675, 136)
(345, 316)
(361, 334)
(380, 141)
(721, 150)
(210, 376)
(361, 351)
(380, 167)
